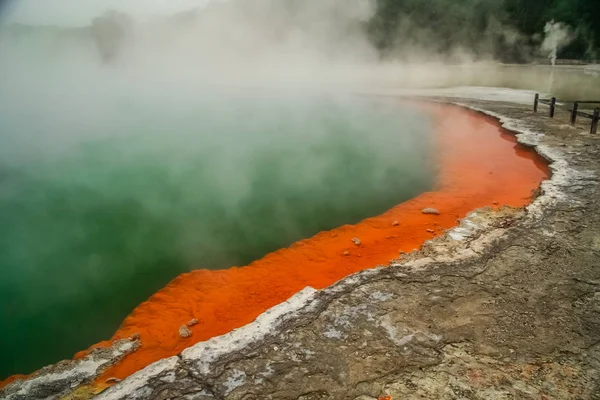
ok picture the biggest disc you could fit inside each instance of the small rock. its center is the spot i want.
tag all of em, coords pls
(192, 322)
(430, 211)
(113, 380)
(395, 223)
(430, 230)
(184, 331)
(356, 241)
(346, 253)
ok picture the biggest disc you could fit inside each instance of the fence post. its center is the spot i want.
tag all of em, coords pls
(552, 106)
(574, 113)
(535, 102)
(595, 119)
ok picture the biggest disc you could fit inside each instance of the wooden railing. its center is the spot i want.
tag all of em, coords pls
(573, 109)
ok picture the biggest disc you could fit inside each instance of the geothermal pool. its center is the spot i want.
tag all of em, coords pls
(477, 164)
(106, 197)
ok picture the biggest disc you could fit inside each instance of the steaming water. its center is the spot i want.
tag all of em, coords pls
(114, 179)
(107, 193)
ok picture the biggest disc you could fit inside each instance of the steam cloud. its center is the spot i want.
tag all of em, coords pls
(135, 151)
(557, 36)
(135, 148)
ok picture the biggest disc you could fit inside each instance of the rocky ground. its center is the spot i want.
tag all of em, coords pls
(506, 306)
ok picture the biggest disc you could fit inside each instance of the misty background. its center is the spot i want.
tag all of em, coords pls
(142, 139)
(344, 45)
(132, 152)
(505, 30)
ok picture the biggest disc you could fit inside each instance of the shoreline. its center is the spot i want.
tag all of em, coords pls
(509, 310)
(348, 246)
(323, 257)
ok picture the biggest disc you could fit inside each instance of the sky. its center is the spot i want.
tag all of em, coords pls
(81, 12)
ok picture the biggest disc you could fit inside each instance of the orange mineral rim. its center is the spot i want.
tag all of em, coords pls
(479, 164)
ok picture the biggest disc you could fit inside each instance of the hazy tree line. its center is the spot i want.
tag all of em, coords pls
(505, 30)
(509, 30)
(109, 31)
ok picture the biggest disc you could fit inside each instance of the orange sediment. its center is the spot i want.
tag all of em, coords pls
(479, 164)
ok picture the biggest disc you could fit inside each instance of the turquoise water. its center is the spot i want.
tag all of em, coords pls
(106, 194)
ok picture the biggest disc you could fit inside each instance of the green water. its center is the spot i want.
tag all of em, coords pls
(106, 197)
(116, 178)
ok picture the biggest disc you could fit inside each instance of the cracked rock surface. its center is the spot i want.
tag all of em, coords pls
(505, 306)
(65, 378)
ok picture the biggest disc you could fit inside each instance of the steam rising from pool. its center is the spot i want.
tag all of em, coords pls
(108, 194)
(135, 149)
(133, 153)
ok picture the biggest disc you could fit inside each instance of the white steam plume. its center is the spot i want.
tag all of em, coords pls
(557, 36)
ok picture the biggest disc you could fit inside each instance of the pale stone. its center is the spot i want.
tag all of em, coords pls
(184, 331)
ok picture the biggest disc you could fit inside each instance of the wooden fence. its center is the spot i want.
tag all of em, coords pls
(553, 103)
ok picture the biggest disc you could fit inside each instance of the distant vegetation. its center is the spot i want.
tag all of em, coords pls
(511, 30)
(109, 31)
(505, 30)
